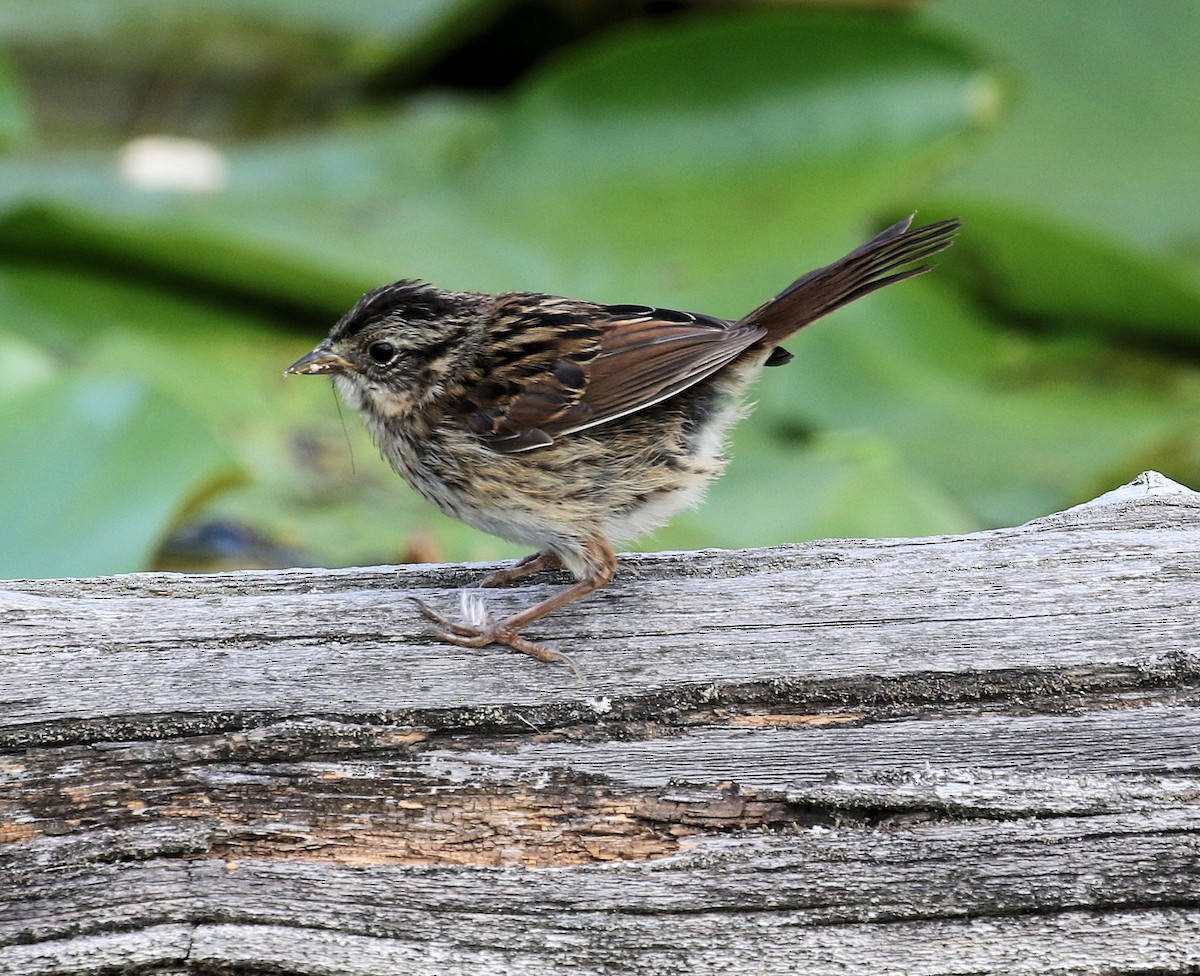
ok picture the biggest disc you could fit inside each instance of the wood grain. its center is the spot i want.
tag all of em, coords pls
(961, 754)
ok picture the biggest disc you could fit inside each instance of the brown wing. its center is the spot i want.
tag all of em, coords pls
(560, 366)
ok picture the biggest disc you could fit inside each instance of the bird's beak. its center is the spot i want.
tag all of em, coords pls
(321, 360)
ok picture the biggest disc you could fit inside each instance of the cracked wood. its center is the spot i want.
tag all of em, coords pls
(971, 753)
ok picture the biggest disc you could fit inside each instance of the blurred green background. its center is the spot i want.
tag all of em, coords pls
(190, 195)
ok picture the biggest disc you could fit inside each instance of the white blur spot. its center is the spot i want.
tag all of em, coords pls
(171, 163)
(474, 609)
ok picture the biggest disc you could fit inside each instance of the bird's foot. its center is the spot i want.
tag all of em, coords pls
(480, 629)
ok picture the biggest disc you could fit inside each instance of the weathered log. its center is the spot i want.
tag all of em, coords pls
(961, 754)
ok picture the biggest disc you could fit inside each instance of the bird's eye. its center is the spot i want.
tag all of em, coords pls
(382, 352)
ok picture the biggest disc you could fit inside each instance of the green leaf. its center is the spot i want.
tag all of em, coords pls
(14, 113)
(310, 221)
(1034, 266)
(313, 483)
(759, 149)
(96, 469)
(1106, 132)
(23, 367)
(845, 484)
(596, 180)
(380, 28)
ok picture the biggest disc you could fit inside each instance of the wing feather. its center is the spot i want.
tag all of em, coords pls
(647, 361)
(562, 366)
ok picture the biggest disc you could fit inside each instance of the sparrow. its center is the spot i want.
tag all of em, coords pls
(570, 426)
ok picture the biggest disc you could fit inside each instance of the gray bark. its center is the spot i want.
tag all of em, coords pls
(961, 754)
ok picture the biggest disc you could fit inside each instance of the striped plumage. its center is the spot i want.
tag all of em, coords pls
(567, 425)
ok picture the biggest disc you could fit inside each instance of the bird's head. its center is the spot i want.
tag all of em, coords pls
(390, 352)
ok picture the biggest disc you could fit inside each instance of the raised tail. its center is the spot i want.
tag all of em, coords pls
(879, 262)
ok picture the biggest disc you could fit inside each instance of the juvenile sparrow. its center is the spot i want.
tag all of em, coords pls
(566, 425)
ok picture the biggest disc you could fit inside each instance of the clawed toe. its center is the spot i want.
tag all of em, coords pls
(492, 631)
(453, 628)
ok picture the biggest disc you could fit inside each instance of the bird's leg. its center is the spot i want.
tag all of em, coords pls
(533, 563)
(484, 630)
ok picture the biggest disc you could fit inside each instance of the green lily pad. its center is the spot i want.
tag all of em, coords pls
(753, 157)
(313, 485)
(1106, 132)
(1037, 267)
(842, 484)
(364, 31)
(96, 470)
(796, 125)
(14, 113)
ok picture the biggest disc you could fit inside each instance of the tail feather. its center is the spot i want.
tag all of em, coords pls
(881, 261)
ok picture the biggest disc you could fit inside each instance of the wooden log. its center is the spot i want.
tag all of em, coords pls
(958, 754)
